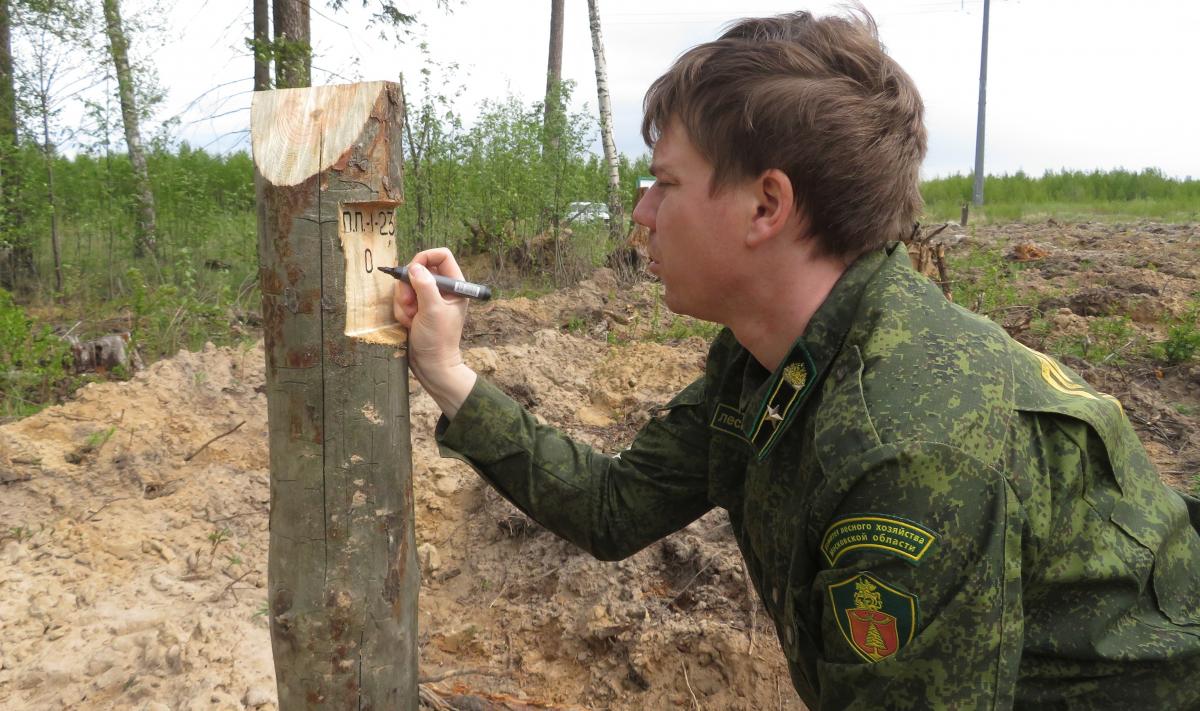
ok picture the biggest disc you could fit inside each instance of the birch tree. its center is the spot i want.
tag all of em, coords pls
(145, 231)
(616, 213)
(47, 76)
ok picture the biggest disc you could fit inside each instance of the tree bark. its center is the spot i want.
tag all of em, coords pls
(292, 49)
(145, 237)
(616, 213)
(48, 153)
(554, 68)
(261, 46)
(342, 568)
(18, 263)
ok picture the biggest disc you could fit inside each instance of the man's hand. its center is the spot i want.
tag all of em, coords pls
(435, 322)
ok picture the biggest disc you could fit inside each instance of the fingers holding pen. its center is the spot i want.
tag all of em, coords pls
(418, 288)
(439, 260)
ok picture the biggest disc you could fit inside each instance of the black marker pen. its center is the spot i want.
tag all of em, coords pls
(445, 284)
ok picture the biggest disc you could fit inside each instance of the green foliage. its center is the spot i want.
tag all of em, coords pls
(682, 327)
(1124, 193)
(1183, 339)
(1110, 340)
(34, 362)
(576, 324)
(97, 439)
(218, 536)
(984, 281)
(491, 187)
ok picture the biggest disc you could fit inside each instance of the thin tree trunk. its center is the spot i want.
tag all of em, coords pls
(145, 237)
(554, 69)
(50, 201)
(262, 46)
(19, 261)
(293, 53)
(616, 213)
(416, 170)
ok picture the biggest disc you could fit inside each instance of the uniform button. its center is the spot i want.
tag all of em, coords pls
(775, 596)
(789, 635)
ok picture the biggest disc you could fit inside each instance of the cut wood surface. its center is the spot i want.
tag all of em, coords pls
(297, 133)
(368, 234)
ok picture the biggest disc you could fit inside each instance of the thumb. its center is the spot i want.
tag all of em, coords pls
(423, 284)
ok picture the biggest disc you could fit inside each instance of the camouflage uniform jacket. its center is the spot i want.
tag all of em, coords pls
(934, 515)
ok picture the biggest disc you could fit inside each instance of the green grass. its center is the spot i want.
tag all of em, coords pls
(984, 281)
(1110, 340)
(1067, 196)
(1183, 338)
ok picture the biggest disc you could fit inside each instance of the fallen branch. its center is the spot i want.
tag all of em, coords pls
(188, 458)
(229, 587)
(464, 699)
(435, 678)
(105, 505)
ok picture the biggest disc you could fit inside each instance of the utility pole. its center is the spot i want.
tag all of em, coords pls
(978, 197)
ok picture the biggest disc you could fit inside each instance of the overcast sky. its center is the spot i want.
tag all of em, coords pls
(1071, 84)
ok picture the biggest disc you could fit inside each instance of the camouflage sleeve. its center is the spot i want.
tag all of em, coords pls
(920, 591)
(609, 506)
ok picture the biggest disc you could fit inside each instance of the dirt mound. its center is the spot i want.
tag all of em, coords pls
(134, 557)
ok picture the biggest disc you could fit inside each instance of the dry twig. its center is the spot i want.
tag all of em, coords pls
(103, 506)
(435, 678)
(695, 703)
(188, 458)
(229, 587)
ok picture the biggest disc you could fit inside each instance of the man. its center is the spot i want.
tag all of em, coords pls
(934, 515)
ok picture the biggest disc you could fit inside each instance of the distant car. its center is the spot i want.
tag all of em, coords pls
(586, 213)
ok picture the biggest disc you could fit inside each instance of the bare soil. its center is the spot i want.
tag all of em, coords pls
(131, 578)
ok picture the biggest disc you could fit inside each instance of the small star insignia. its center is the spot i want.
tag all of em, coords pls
(773, 414)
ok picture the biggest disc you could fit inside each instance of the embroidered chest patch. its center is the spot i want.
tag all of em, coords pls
(728, 419)
(885, 534)
(876, 619)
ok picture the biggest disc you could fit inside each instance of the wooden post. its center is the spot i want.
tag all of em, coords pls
(342, 570)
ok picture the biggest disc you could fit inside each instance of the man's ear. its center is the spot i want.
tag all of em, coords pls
(775, 205)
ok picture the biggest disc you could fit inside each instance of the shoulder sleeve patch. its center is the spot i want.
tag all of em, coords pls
(876, 619)
(877, 532)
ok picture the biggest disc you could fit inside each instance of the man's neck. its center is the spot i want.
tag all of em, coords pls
(783, 304)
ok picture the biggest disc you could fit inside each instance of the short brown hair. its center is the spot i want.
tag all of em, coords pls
(817, 98)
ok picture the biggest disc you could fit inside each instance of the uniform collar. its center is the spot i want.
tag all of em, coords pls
(771, 407)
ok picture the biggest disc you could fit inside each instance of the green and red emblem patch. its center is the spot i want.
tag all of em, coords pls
(876, 619)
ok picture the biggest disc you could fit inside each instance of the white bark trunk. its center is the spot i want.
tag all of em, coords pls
(616, 212)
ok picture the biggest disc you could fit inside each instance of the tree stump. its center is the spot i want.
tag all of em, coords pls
(342, 571)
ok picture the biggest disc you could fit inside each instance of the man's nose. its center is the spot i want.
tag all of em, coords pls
(644, 212)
